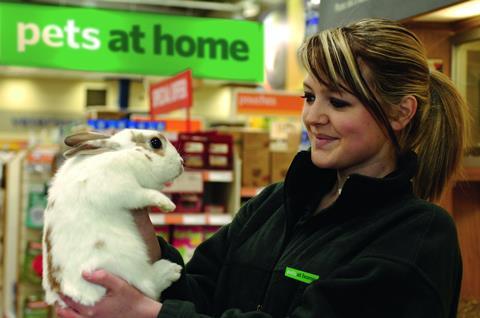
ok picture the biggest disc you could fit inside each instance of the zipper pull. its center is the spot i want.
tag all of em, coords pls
(259, 307)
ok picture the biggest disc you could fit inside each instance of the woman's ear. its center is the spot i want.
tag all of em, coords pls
(404, 113)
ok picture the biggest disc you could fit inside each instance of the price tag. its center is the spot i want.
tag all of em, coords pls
(157, 218)
(219, 176)
(194, 219)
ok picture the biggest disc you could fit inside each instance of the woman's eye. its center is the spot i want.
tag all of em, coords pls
(338, 103)
(308, 97)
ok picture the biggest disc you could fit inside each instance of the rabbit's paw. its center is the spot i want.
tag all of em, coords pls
(175, 273)
(167, 206)
(168, 270)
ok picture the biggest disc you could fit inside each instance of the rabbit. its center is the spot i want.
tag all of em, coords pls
(88, 221)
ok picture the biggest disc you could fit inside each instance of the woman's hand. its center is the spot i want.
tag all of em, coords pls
(147, 231)
(120, 300)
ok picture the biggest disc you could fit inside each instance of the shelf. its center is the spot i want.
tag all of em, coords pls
(248, 192)
(190, 219)
(191, 181)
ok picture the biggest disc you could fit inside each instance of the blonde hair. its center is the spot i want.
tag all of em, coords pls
(380, 62)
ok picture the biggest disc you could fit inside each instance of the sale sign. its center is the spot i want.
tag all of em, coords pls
(171, 94)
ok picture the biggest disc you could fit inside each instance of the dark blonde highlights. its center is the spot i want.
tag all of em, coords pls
(381, 62)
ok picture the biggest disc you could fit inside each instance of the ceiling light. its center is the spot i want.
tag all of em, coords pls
(460, 11)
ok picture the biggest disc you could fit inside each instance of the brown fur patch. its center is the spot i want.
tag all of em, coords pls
(139, 139)
(52, 271)
(142, 141)
(99, 245)
(161, 152)
(50, 205)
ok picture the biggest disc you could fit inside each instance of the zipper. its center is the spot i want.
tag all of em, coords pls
(288, 238)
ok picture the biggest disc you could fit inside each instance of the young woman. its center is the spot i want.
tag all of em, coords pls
(352, 231)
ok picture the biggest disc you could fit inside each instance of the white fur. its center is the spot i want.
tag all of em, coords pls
(90, 201)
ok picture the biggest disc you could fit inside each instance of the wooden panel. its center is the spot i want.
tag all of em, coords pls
(436, 38)
(466, 212)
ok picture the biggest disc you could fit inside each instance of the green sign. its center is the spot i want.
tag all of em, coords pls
(98, 40)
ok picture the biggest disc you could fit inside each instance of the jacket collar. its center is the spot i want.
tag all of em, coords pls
(305, 184)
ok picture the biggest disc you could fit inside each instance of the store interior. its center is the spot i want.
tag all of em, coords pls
(234, 142)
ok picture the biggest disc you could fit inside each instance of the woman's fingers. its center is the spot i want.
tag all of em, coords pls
(103, 278)
(74, 306)
(67, 313)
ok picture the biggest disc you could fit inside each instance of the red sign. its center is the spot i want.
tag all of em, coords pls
(269, 103)
(171, 94)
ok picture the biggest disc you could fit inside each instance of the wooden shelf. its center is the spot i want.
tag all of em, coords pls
(470, 174)
(248, 192)
(190, 219)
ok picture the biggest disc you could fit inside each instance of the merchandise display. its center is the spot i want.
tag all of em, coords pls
(35, 307)
(32, 263)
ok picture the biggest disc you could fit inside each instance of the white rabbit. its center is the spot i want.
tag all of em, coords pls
(88, 222)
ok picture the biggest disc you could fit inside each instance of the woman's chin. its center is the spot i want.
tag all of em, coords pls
(319, 159)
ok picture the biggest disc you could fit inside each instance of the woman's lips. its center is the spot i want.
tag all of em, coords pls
(323, 140)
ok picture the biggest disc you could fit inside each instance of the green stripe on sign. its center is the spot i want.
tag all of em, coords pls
(300, 275)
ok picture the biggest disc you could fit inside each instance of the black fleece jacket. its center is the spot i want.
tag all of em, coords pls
(378, 251)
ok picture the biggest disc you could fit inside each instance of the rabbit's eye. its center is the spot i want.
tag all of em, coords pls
(156, 143)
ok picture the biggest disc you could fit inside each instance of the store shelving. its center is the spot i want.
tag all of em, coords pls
(12, 236)
(190, 219)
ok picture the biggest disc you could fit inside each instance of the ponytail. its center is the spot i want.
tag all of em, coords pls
(442, 137)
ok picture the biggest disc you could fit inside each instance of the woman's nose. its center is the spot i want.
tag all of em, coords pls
(316, 115)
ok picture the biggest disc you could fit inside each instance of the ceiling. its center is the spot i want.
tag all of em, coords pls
(234, 9)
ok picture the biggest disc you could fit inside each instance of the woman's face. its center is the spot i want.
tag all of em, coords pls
(342, 133)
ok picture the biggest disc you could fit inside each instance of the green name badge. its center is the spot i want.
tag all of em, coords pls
(300, 275)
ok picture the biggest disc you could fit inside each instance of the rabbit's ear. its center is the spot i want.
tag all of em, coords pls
(78, 138)
(92, 147)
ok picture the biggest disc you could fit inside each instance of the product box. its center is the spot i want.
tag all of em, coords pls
(256, 167)
(193, 149)
(255, 140)
(220, 152)
(206, 150)
(280, 162)
(237, 138)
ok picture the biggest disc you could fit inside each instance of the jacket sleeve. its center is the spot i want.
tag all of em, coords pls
(195, 289)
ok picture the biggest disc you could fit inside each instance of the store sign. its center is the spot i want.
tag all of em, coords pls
(171, 94)
(269, 103)
(98, 40)
(341, 12)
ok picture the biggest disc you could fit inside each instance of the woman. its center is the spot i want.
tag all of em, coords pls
(351, 231)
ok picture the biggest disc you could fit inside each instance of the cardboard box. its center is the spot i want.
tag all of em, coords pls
(256, 140)
(256, 167)
(280, 162)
